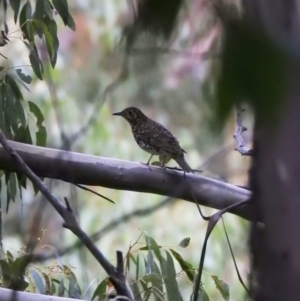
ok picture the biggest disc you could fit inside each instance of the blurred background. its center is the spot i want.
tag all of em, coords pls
(172, 82)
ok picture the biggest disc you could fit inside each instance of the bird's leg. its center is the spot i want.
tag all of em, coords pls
(162, 165)
(148, 161)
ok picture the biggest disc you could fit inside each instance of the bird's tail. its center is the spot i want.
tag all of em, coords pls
(183, 164)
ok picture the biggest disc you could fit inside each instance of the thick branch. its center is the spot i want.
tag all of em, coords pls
(123, 175)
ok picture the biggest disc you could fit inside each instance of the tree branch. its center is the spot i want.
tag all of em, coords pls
(124, 175)
(6, 294)
(70, 221)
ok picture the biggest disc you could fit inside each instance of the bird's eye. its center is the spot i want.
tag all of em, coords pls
(130, 112)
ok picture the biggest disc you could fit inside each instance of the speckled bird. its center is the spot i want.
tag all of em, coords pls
(154, 138)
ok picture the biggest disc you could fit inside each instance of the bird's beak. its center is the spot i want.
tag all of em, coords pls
(118, 114)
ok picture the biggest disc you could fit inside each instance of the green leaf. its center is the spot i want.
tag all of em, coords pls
(15, 4)
(14, 87)
(61, 289)
(185, 242)
(25, 78)
(5, 272)
(137, 267)
(186, 266)
(23, 135)
(169, 274)
(222, 287)
(63, 10)
(100, 290)
(12, 186)
(39, 10)
(36, 62)
(157, 282)
(152, 277)
(52, 27)
(10, 257)
(156, 248)
(74, 291)
(48, 9)
(202, 296)
(25, 15)
(48, 37)
(38, 281)
(41, 135)
(136, 292)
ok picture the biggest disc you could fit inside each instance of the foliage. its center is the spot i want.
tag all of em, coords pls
(21, 119)
(18, 273)
(153, 273)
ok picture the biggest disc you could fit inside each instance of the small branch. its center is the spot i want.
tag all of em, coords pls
(70, 221)
(240, 143)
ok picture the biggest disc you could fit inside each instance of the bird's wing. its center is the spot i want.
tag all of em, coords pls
(161, 139)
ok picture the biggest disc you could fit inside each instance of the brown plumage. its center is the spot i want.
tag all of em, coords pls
(154, 138)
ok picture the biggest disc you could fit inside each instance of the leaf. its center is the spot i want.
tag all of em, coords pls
(61, 289)
(62, 8)
(10, 257)
(74, 291)
(202, 296)
(39, 10)
(52, 48)
(185, 242)
(157, 283)
(14, 87)
(25, 78)
(39, 25)
(169, 274)
(137, 267)
(23, 135)
(12, 186)
(152, 277)
(38, 281)
(155, 248)
(36, 62)
(186, 266)
(15, 5)
(100, 290)
(25, 15)
(222, 287)
(41, 135)
(5, 272)
(136, 292)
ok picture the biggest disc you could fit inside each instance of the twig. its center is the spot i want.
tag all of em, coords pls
(240, 143)
(70, 221)
(94, 192)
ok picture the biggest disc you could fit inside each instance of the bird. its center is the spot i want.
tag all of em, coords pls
(154, 138)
